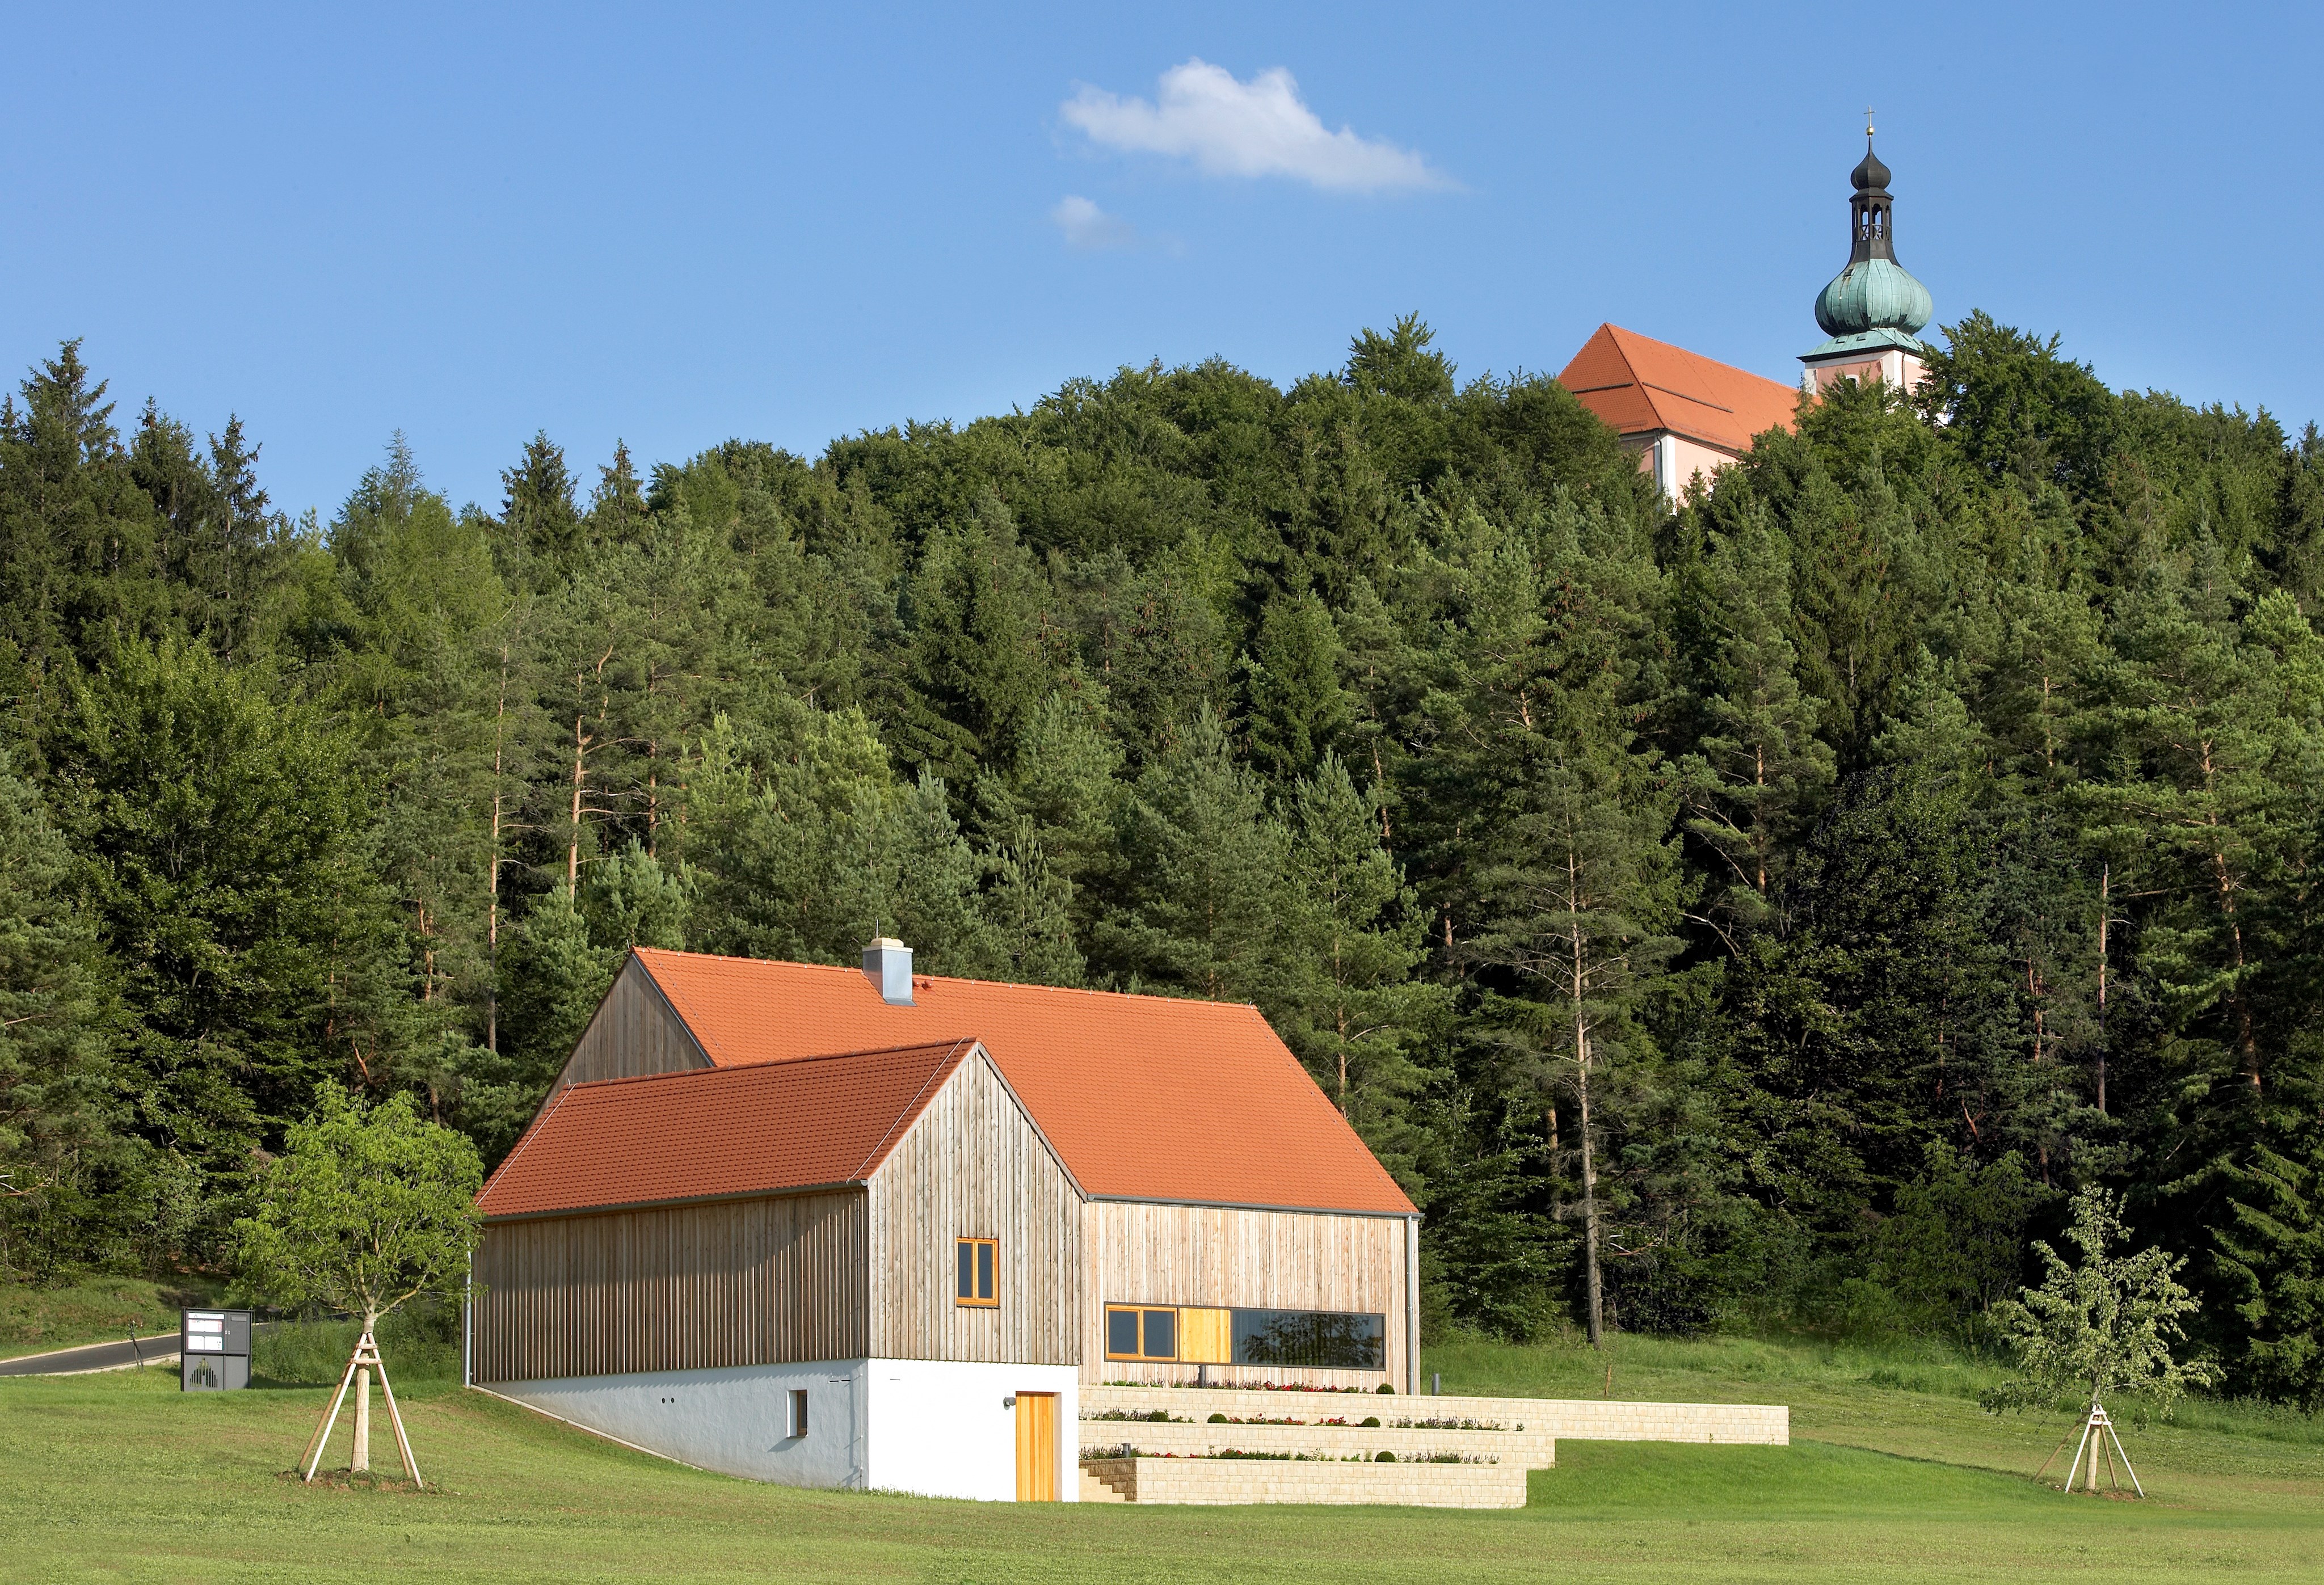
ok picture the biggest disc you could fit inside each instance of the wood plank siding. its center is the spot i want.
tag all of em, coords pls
(974, 1167)
(1137, 1253)
(634, 1033)
(676, 1288)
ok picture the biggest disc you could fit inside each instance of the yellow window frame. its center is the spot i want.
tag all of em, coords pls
(978, 1261)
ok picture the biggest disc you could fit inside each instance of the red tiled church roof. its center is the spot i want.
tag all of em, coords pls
(1143, 1097)
(1639, 385)
(692, 1135)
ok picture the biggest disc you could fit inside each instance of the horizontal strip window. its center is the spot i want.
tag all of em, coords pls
(1311, 1339)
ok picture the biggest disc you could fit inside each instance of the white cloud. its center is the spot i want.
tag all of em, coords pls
(1088, 227)
(1256, 128)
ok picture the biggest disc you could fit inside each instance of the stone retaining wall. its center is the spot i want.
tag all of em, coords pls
(1579, 1419)
(1269, 1480)
(1531, 1450)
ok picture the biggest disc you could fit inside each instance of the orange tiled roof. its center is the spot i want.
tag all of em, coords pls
(1639, 385)
(1143, 1097)
(687, 1136)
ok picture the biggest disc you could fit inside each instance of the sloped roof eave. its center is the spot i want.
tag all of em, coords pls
(720, 1133)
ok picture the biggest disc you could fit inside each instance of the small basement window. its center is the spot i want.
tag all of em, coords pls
(975, 1279)
(1139, 1333)
(798, 1411)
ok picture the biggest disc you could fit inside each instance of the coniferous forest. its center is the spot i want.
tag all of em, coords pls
(1762, 914)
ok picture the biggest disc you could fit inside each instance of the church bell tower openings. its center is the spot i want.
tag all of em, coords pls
(1873, 310)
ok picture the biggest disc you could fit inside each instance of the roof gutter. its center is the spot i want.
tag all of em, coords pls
(612, 1207)
(1252, 1205)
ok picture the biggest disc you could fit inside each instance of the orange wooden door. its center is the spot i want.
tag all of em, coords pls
(1037, 1447)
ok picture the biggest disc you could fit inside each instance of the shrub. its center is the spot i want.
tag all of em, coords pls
(1371, 1421)
(1383, 1457)
(1218, 1419)
(1385, 1388)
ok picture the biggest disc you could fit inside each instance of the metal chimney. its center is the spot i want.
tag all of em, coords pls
(887, 964)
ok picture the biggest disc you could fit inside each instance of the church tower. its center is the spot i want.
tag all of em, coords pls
(1873, 310)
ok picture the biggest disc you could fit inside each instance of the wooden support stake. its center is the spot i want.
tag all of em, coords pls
(313, 1456)
(395, 1418)
(363, 1362)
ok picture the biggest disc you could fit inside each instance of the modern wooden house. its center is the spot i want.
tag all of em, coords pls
(839, 1228)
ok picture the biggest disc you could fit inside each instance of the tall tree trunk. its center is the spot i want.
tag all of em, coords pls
(573, 827)
(2105, 917)
(493, 876)
(1580, 985)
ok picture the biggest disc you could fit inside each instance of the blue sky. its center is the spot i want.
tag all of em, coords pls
(687, 223)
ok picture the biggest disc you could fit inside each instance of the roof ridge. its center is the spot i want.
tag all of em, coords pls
(1141, 996)
(768, 1062)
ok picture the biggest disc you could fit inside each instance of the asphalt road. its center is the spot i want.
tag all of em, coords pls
(94, 1357)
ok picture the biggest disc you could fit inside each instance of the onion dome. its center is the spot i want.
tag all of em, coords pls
(1875, 293)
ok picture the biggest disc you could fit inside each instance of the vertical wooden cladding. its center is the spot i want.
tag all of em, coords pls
(1135, 1252)
(634, 1033)
(974, 1167)
(677, 1287)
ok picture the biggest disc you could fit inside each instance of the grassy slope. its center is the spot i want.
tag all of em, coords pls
(120, 1476)
(94, 1310)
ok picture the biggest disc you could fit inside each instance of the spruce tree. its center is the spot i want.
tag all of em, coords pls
(1348, 1005)
(1758, 767)
(62, 1166)
(1295, 707)
(1203, 863)
(538, 511)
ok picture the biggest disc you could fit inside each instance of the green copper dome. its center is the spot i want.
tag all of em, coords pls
(1873, 294)
(1874, 300)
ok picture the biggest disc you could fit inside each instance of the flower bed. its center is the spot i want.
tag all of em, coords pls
(1125, 1450)
(1383, 1388)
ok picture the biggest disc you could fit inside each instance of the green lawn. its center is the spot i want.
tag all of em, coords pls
(94, 1310)
(120, 1477)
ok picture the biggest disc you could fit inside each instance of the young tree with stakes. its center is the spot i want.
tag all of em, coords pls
(2104, 1324)
(370, 1207)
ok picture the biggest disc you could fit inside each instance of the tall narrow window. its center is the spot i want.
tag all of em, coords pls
(798, 1411)
(976, 1279)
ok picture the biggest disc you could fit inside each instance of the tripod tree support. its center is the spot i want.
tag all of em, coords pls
(2098, 1432)
(360, 1365)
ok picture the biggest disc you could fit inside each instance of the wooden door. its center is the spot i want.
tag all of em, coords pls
(1037, 1447)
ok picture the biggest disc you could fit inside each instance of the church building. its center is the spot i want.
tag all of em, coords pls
(1686, 416)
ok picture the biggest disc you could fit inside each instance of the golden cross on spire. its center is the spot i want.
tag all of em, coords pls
(1867, 124)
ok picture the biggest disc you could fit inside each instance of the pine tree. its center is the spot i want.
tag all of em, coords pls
(1579, 900)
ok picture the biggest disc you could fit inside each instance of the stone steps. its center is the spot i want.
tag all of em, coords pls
(1097, 1487)
(1223, 1481)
